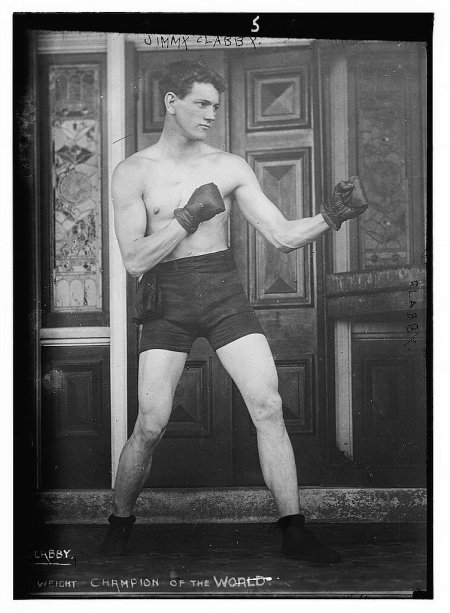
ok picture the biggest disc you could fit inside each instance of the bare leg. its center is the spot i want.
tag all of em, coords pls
(249, 362)
(159, 373)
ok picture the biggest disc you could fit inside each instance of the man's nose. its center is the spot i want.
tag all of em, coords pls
(210, 115)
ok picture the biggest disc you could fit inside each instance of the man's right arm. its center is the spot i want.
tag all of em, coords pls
(139, 252)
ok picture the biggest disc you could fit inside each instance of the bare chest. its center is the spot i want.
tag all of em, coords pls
(167, 188)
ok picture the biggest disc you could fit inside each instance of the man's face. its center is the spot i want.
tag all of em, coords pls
(196, 112)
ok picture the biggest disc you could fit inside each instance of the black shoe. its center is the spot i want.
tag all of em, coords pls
(300, 544)
(115, 541)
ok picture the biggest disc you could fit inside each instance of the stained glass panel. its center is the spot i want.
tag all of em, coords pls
(382, 149)
(76, 187)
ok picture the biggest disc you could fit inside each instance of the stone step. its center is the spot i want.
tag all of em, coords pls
(238, 504)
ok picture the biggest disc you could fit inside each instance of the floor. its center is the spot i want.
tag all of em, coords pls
(222, 560)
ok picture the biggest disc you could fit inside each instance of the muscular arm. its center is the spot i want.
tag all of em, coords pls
(139, 252)
(285, 235)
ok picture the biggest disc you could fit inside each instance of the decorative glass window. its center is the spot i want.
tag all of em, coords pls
(76, 250)
(382, 156)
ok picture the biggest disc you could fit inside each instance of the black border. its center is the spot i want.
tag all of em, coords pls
(336, 26)
(344, 26)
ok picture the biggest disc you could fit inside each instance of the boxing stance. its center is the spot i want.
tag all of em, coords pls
(172, 203)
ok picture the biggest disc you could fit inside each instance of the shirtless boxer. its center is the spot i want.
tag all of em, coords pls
(172, 204)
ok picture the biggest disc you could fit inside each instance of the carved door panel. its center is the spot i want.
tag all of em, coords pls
(272, 128)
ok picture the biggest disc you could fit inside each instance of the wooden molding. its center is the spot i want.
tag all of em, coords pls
(371, 305)
(118, 284)
(71, 42)
(376, 292)
(74, 333)
(374, 280)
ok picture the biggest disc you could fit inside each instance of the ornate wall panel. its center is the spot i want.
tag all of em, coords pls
(383, 148)
(276, 278)
(191, 413)
(76, 220)
(75, 419)
(153, 108)
(296, 390)
(295, 384)
(389, 404)
(384, 415)
(78, 405)
(277, 98)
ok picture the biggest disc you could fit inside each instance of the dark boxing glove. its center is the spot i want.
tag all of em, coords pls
(347, 202)
(205, 202)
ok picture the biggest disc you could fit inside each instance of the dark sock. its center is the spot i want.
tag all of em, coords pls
(300, 544)
(115, 541)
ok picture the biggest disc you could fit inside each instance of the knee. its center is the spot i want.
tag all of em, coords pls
(149, 431)
(150, 425)
(154, 412)
(267, 411)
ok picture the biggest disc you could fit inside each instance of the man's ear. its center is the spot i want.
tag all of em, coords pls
(169, 100)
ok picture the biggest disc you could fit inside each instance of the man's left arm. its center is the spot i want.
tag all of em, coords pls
(288, 235)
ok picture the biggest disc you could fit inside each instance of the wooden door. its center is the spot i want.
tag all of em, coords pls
(384, 293)
(210, 440)
(272, 128)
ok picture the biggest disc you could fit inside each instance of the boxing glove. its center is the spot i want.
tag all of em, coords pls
(204, 203)
(347, 202)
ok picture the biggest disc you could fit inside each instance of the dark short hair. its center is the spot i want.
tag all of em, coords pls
(180, 77)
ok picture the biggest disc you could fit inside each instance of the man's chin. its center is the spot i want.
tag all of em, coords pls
(199, 137)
